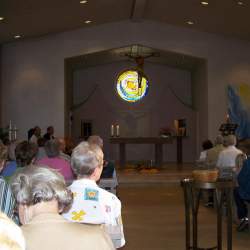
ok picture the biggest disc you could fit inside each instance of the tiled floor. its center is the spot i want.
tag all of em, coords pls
(153, 214)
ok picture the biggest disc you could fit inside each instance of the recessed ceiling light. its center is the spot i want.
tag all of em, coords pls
(88, 21)
(83, 1)
(204, 3)
(1, 18)
(17, 36)
(240, 3)
(190, 22)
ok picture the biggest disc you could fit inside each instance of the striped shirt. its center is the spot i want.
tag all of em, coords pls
(7, 201)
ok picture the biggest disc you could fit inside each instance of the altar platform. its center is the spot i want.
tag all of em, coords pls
(169, 174)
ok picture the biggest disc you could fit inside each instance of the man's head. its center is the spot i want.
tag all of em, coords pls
(96, 139)
(25, 153)
(50, 130)
(52, 148)
(87, 161)
(219, 140)
(230, 140)
(37, 131)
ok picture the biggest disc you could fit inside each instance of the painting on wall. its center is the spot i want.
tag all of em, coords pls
(239, 108)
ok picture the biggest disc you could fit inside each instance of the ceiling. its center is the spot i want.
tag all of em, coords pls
(31, 18)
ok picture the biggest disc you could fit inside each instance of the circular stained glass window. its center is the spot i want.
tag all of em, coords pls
(131, 85)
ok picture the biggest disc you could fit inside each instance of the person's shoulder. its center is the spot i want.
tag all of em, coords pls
(108, 195)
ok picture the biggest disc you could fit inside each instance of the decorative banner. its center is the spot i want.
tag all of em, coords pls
(239, 108)
(131, 85)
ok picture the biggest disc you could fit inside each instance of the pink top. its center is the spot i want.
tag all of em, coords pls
(59, 164)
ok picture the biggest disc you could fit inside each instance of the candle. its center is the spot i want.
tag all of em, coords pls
(10, 131)
(112, 130)
(15, 130)
(117, 130)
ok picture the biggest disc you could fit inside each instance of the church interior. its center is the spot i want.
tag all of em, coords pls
(154, 79)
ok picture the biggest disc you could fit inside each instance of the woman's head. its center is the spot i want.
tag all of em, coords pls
(36, 185)
(25, 153)
(87, 160)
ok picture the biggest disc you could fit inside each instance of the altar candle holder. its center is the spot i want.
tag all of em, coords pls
(117, 130)
(112, 129)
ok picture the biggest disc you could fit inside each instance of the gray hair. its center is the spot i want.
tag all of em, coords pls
(85, 158)
(35, 184)
(219, 140)
(96, 139)
(52, 148)
(230, 140)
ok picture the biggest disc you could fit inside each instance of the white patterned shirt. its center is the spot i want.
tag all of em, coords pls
(95, 205)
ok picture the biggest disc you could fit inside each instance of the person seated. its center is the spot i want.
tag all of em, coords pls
(94, 204)
(62, 148)
(108, 166)
(7, 201)
(41, 151)
(50, 134)
(227, 158)
(213, 153)
(242, 195)
(206, 145)
(36, 135)
(54, 161)
(41, 195)
(25, 154)
(11, 236)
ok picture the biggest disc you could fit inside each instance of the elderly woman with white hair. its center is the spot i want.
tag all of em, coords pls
(93, 204)
(41, 195)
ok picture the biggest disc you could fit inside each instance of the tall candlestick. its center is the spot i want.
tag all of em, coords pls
(10, 131)
(117, 130)
(112, 130)
(15, 130)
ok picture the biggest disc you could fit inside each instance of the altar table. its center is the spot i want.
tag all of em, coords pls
(157, 141)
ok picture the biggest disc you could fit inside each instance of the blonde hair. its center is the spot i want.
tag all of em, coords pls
(11, 237)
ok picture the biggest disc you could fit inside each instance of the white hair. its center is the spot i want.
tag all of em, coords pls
(230, 140)
(11, 237)
(96, 139)
(85, 158)
(35, 184)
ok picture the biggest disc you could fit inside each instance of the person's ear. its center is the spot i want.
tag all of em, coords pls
(2, 165)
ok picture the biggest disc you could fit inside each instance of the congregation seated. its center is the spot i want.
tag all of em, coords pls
(11, 236)
(54, 161)
(41, 195)
(108, 167)
(227, 158)
(206, 145)
(50, 134)
(36, 134)
(7, 201)
(213, 153)
(25, 154)
(92, 204)
(62, 149)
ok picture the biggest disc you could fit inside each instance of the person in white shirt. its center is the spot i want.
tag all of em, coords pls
(227, 157)
(92, 204)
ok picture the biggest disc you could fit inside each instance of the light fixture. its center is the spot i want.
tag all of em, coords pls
(83, 1)
(240, 3)
(17, 36)
(1, 18)
(204, 3)
(190, 22)
(88, 21)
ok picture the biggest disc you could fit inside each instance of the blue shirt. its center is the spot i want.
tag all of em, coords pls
(9, 169)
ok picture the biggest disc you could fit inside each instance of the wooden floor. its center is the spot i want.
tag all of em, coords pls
(153, 213)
